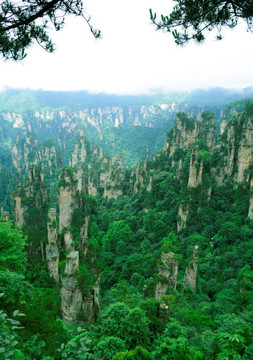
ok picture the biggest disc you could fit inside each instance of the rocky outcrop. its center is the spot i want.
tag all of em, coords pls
(167, 274)
(71, 299)
(141, 177)
(19, 210)
(27, 152)
(84, 236)
(31, 200)
(112, 177)
(184, 132)
(79, 298)
(196, 168)
(235, 149)
(79, 301)
(190, 277)
(183, 212)
(52, 251)
(250, 213)
(79, 154)
(31, 151)
(67, 198)
(16, 154)
(245, 152)
(72, 264)
(93, 171)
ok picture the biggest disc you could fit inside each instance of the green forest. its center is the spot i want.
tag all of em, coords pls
(149, 261)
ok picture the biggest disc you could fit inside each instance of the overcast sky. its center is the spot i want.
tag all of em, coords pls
(132, 57)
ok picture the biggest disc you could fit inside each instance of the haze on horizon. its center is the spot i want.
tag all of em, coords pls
(132, 57)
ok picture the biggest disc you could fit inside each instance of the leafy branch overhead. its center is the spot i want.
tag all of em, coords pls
(26, 21)
(192, 19)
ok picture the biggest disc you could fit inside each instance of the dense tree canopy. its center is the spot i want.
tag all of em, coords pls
(191, 19)
(26, 21)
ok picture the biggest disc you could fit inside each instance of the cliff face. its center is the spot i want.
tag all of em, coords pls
(79, 280)
(31, 200)
(79, 299)
(196, 168)
(97, 173)
(80, 152)
(190, 277)
(141, 177)
(184, 132)
(199, 157)
(167, 274)
(195, 138)
(20, 210)
(67, 195)
(52, 250)
(183, 212)
(27, 152)
(235, 150)
(112, 180)
(229, 158)
(250, 214)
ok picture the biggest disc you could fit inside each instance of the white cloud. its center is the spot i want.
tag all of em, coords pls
(131, 57)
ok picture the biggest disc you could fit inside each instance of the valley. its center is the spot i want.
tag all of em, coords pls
(133, 226)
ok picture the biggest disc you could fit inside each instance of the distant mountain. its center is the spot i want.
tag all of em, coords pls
(28, 100)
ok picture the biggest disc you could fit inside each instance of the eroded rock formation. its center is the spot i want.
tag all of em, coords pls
(167, 274)
(52, 250)
(190, 277)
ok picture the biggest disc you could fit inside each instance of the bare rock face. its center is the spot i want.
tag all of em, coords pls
(67, 198)
(190, 277)
(29, 152)
(49, 158)
(20, 211)
(71, 294)
(223, 125)
(196, 168)
(72, 263)
(141, 177)
(51, 226)
(79, 302)
(71, 299)
(235, 146)
(84, 236)
(167, 274)
(183, 212)
(76, 303)
(250, 214)
(16, 156)
(184, 132)
(245, 153)
(52, 256)
(80, 152)
(90, 306)
(112, 176)
(35, 192)
(31, 147)
(52, 251)
(206, 127)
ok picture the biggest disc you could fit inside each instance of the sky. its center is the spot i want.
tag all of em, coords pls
(131, 57)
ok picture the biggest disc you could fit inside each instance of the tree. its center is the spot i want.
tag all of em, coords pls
(12, 245)
(194, 18)
(22, 23)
